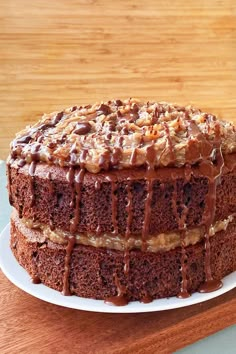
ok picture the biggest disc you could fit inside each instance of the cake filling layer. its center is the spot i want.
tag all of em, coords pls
(154, 243)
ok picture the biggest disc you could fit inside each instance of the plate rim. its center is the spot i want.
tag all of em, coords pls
(92, 305)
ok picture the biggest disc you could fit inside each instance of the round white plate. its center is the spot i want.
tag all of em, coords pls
(18, 276)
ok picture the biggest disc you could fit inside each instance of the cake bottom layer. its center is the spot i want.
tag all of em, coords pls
(99, 273)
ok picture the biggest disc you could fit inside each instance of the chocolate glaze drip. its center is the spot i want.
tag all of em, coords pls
(114, 207)
(113, 181)
(76, 182)
(150, 156)
(32, 168)
(133, 157)
(120, 141)
(82, 128)
(170, 144)
(155, 115)
(34, 156)
(128, 225)
(121, 298)
(99, 230)
(36, 280)
(51, 191)
(204, 146)
(49, 177)
(69, 249)
(24, 139)
(70, 178)
(97, 185)
(104, 160)
(147, 212)
(213, 173)
(181, 221)
(21, 163)
(150, 159)
(115, 157)
(146, 299)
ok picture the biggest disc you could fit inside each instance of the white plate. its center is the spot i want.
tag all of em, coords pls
(18, 276)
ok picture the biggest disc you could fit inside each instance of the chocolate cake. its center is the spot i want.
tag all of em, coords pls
(125, 200)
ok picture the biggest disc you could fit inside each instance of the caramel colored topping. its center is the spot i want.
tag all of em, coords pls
(158, 243)
(117, 134)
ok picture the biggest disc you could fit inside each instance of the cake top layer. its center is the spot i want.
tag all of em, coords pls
(124, 134)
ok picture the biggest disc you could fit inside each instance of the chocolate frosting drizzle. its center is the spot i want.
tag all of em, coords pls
(69, 250)
(128, 226)
(181, 221)
(118, 131)
(121, 298)
(51, 191)
(213, 172)
(76, 183)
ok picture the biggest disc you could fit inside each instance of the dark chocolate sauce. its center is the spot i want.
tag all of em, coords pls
(146, 299)
(32, 168)
(76, 178)
(128, 226)
(104, 160)
(70, 178)
(181, 221)
(104, 109)
(115, 157)
(58, 117)
(78, 182)
(69, 249)
(120, 141)
(121, 298)
(210, 285)
(82, 128)
(52, 225)
(51, 191)
(150, 158)
(155, 115)
(114, 206)
(118, 103)
(170, 144)
(204, 146)
(34, 155)
(97, 185)
(21, 163)
(98, 230)
(213, 172)
(36, 280)
(50, 185)
(133, 157)
(147, 213)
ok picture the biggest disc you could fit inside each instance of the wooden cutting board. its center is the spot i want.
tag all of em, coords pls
(29, 325)
(56, 54)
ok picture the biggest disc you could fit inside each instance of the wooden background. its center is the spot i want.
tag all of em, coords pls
(54, 54)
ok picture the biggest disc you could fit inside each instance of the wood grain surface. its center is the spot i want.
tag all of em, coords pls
(59, 53)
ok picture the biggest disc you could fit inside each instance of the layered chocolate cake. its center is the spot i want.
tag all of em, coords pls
(125, 200)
